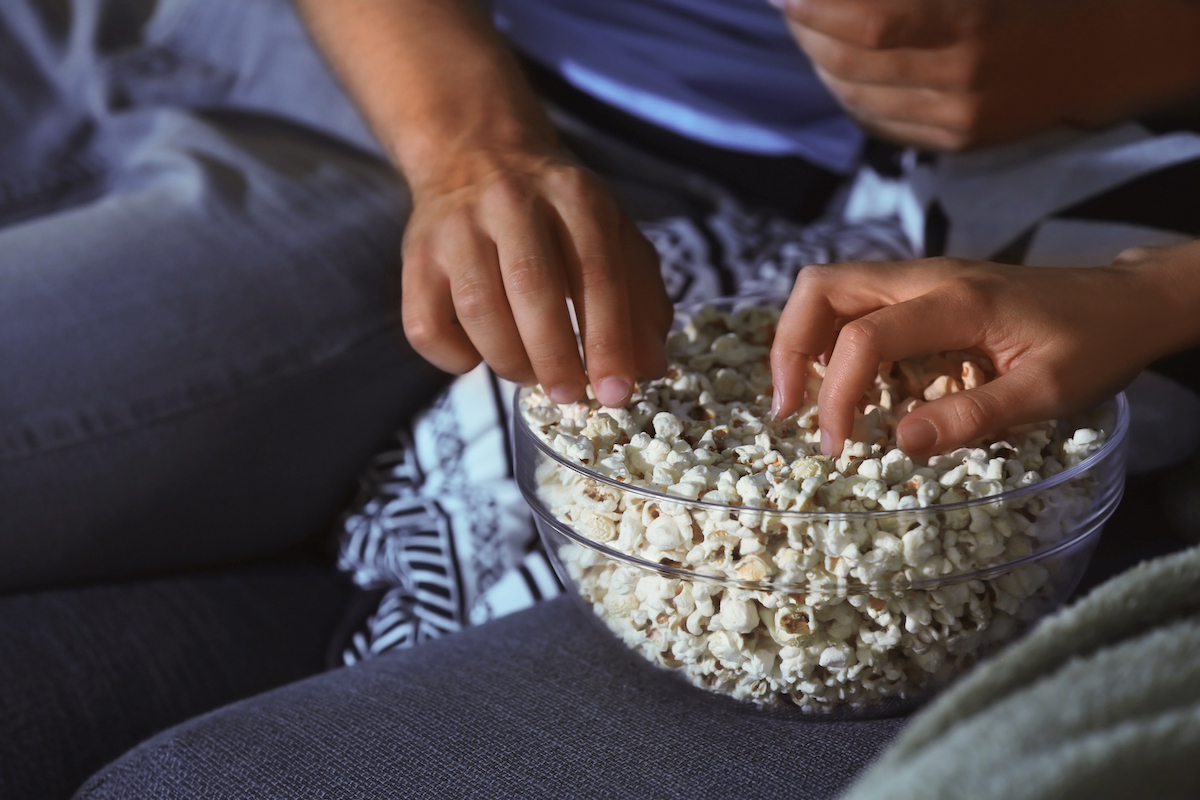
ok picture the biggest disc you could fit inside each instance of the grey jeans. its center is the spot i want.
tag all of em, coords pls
(198, 248)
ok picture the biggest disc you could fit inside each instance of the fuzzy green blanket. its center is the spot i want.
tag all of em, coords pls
(1101, 700)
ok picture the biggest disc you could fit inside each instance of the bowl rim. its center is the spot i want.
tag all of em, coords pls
(1115, 441)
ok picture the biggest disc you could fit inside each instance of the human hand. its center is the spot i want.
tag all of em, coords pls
(1060, 339)
(493, 251)
(954, 74)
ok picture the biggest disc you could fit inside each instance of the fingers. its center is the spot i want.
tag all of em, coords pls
(825, 294)
(478, 294)
(530, 266)
(427, 307)
(909, 71)
(881, 23)
(926, 323)
(956, 419)
(651, 309)
(916, 105)
(806, 330)
(918, 135)
(949, 69)
(589, 233)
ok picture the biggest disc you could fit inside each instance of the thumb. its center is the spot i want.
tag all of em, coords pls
(956, 419)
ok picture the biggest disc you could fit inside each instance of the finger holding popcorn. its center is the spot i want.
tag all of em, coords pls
(826, 296)
(607, 268)
(928, 323)
(1060, 339)
(489, 266)
(532, 264)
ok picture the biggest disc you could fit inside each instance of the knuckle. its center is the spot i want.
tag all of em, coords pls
(605, 347)
(860, 336)
(473, 301)
(417, 248)
(516, 373)
(569, 180)
(875, 30)
(457, 221)
(813, 279)
(504, 192)
(551, 362)
(837, 60)
(526, 276)
(421, 331)
(973, 413)
(596, 273)
(962, 117)
(976, 291)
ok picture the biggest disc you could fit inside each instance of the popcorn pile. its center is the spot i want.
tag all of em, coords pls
(837, 606)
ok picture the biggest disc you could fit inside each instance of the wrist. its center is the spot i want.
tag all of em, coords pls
(1166, 291)
(465, 155)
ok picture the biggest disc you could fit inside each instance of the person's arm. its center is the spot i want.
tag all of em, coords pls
(954, 74)
(1060, 339)
(504, 228)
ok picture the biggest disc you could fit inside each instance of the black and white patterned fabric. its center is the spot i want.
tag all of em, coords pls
(441, 527)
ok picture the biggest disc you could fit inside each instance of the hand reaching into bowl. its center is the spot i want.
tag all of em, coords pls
(1060, 339)
(504, 226)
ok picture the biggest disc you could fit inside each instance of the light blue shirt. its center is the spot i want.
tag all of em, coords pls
(724, 72)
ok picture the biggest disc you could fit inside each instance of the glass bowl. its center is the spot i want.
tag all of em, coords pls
(847, 612)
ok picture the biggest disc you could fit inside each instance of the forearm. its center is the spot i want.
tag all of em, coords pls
(434, 80)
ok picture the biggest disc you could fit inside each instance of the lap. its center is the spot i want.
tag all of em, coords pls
(537, 704)
(198, 361)
(200, 340)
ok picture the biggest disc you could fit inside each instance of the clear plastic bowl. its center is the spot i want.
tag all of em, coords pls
(844, 644)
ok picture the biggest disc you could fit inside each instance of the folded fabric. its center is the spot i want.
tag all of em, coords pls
(1101, 700)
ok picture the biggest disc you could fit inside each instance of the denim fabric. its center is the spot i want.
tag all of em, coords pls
(198, 338)
(87, 673)
(539, 704)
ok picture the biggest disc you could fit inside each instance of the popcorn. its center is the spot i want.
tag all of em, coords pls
(823, 609)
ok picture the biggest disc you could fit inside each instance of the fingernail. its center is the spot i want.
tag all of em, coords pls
(565, 393)
(776, 402)
(612, 392)
(826, 443)
(917, 436)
